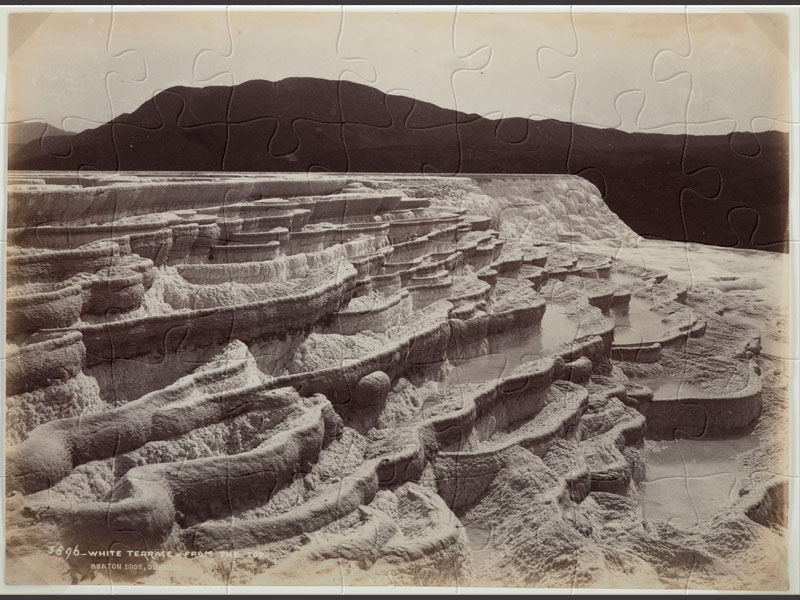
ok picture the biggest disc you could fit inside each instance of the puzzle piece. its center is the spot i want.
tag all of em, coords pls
(421, 303)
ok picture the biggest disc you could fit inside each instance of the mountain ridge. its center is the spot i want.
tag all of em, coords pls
(725, 189)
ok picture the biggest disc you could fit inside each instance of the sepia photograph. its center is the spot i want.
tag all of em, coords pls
(442, 299)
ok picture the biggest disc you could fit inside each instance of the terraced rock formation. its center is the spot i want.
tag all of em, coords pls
(272, 379)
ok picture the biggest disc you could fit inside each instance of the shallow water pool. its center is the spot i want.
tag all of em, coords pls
(692, 479)
(669, 387)
(478, 534)
(639, 324)
(556, 328)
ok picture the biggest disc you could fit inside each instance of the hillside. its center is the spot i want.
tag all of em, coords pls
(52, 139)
(727, 190)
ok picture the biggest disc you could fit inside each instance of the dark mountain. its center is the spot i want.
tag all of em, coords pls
(727, 190)
(51, 139)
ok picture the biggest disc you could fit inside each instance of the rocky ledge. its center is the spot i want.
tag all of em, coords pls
(371, 377)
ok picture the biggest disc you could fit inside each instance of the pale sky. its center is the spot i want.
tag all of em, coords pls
(660, 72)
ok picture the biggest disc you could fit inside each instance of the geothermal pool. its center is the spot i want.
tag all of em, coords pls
(638, 325)
(478, 534)
(555, 328)
(689, 480)
(668, 387)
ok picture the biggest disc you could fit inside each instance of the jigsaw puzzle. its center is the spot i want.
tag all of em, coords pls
(452, 298)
